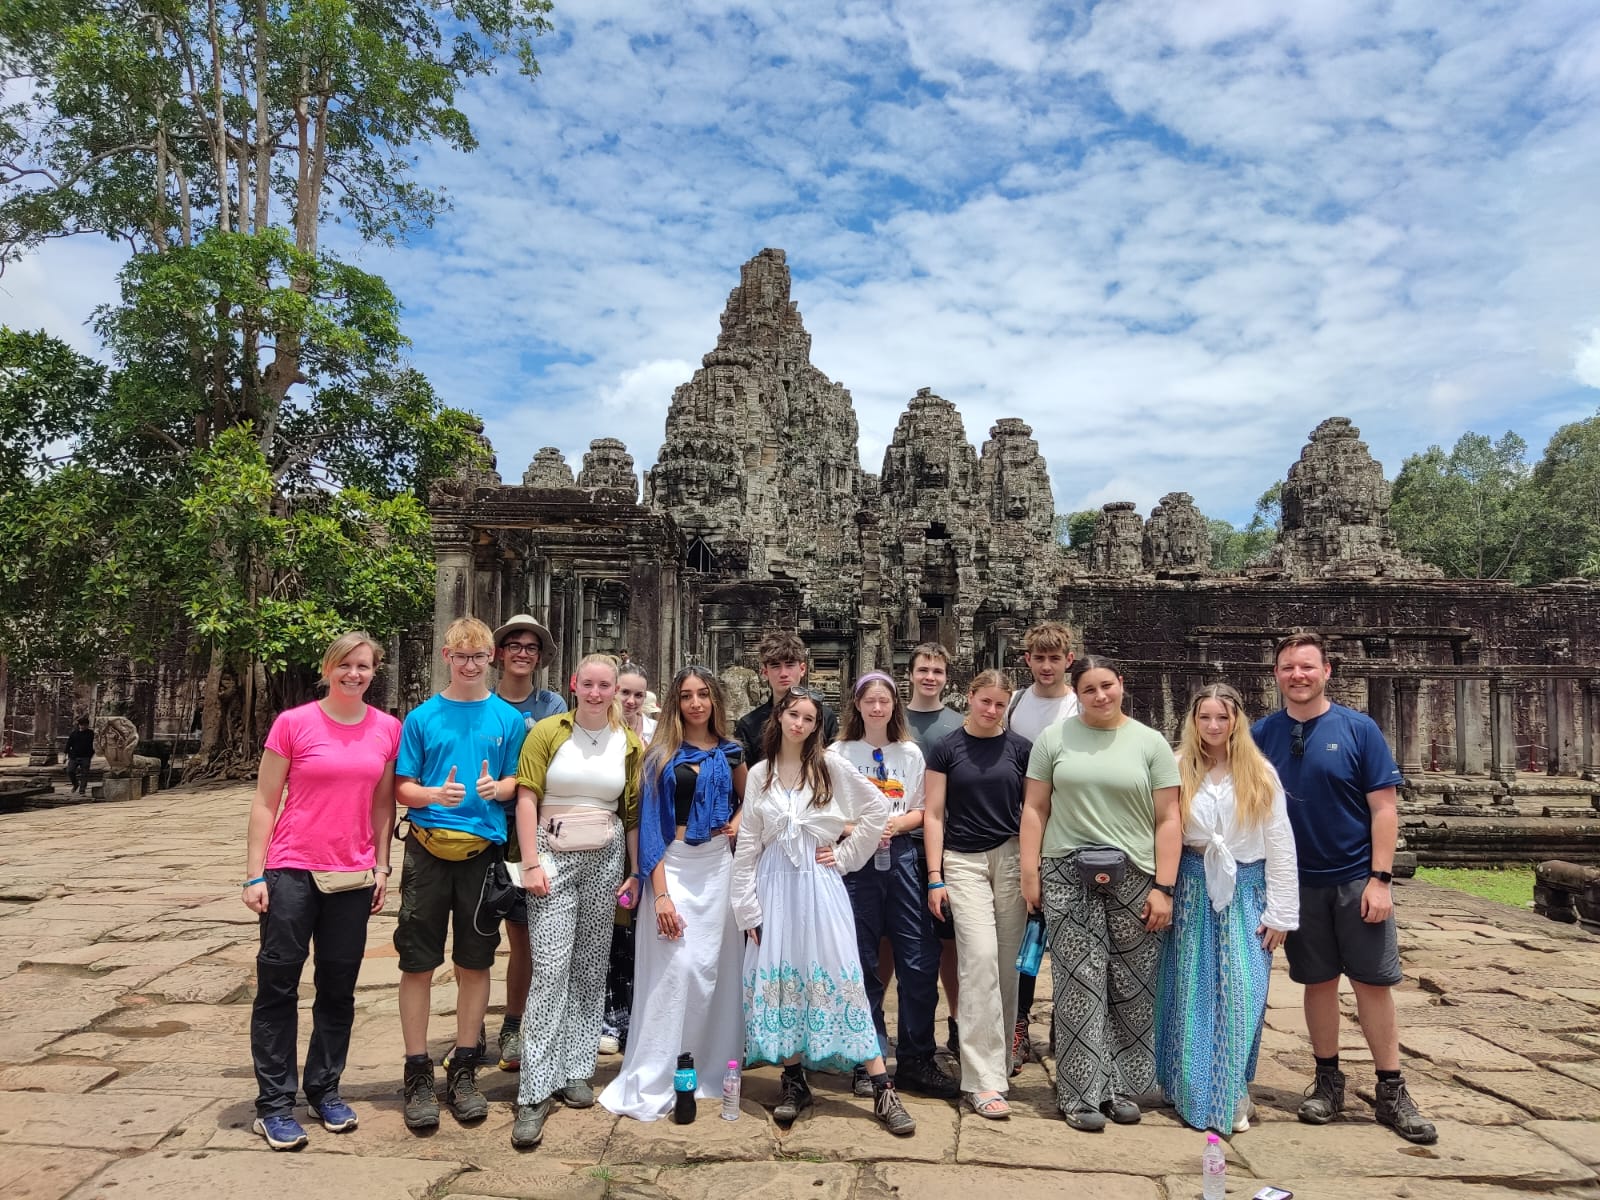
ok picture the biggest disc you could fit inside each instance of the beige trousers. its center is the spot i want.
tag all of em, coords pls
(985, 892)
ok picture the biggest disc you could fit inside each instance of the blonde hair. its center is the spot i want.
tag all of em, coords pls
(1255, 783)
(1047, 637)
(614, 664)
(468, 633)
(346, 644)
(991, 678)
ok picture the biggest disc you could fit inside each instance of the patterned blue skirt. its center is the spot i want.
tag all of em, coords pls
(1212, 997)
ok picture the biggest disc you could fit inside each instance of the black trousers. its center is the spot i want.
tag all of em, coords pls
(299, 920)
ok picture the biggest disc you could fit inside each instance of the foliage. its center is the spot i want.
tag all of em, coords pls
(1234, 549)
(1511, 884)
(1075, 530)
(1468, 512)
(1566, 491)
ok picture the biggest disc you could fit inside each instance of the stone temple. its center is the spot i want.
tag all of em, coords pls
(758, 513)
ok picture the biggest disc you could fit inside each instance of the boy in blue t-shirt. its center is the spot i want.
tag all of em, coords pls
(456, 772)
(1341, 781)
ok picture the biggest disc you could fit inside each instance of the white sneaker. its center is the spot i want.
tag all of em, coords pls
(1241, 1114)
(609, 1044)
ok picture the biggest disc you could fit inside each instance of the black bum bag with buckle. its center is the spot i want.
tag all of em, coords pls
(1101, 866)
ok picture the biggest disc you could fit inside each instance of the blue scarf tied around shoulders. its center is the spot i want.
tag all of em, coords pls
(711, 809)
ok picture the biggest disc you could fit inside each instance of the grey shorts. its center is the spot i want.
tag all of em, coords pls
(1333, 940)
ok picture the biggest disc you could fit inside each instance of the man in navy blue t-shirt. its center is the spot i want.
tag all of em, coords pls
(1341, 781)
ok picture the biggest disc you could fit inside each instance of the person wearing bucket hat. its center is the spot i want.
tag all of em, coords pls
(521, 646)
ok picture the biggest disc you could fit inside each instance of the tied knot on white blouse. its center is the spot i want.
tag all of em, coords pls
(796, 839)
(1222, 871)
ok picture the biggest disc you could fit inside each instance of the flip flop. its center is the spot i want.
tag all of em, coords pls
(994, 1108)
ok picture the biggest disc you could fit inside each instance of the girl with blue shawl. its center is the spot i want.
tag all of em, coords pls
(687, 991)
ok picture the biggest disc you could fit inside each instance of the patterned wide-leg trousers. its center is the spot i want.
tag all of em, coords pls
(1103, 965)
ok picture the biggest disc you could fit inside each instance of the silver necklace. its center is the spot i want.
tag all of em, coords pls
(594, 738)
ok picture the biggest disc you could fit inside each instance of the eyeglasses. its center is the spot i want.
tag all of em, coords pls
(1297, 739)
(477, 660)
(520, 649)
(883, 770)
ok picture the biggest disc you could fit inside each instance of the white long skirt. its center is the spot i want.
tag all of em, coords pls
(686, 992)
(803, 990)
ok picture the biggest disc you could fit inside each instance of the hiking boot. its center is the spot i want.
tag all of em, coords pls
(461, 1088)
(861, 1082)
(1396, 1109)
(422, 1106)
(1084, 1120)
(1324, 1098)
(511, 1049)
(283, 1132)
(1121, 1110)
(336, 1116)
(794, 1095)
(577, 1094)
(527, 1130)
(1021, 1045)
(887, 1108)
(924, 1077)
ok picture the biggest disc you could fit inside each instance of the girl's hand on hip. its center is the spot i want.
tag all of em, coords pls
(825, 856)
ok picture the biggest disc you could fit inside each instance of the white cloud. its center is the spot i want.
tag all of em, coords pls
(1586, 362)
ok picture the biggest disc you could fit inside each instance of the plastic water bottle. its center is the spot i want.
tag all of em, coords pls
(1214, 1170)
(684, 1082)
(880, 857)
(730, 1092)
(1031, 953)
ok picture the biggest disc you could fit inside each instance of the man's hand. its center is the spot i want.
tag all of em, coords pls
(488, 785)
(451, 793)
(1376, 902)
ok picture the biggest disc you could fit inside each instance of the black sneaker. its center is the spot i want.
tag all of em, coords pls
(527, 1130)
(1396, 1109)
(422, 1105)
(1324, 1098)
(924, 1077)
(461, 1088)
(861, 1082)
(794, 1096)
(887, 1108)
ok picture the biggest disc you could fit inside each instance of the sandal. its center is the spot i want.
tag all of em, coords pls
(994, 1108)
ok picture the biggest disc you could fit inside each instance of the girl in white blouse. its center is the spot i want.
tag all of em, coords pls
(1237, 898)
(805, 1000)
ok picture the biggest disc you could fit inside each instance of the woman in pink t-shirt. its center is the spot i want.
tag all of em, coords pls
(317, 865)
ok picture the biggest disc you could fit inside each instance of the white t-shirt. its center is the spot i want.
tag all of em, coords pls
(902, 767)
(1031, 714)
(587, 773)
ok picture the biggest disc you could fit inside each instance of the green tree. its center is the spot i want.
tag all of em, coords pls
(259, 436)
(1075, 530)
(1566, 494)
(1468, 511)
(1233, 549)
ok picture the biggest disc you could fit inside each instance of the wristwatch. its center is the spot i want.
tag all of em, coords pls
(1166, 889)
(1382, 876)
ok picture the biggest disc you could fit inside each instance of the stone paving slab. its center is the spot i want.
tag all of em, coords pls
(127, 993)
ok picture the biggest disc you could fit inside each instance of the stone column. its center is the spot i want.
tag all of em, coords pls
(453, 587)
(1591, 728)
(1502, 730)
(42, 747)
(1381, 708)
(1467, 761)
(1408, 734)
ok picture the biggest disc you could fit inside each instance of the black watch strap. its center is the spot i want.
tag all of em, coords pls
(1166, 889)
(1382, 876)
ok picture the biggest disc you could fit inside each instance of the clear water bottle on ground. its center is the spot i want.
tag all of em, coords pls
(730, 1092)
(1031, 953)
(684, 1083)
(1214, 1170)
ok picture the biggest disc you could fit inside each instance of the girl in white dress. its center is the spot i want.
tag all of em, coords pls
(805, 1002)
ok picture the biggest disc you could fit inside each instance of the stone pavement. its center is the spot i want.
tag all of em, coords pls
(126, 975)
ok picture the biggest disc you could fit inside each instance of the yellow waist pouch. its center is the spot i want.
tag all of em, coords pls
(452, 845)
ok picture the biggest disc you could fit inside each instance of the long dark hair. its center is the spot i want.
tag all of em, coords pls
(668, 737)
(813, 770)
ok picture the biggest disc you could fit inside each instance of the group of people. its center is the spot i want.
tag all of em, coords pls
(784, 871)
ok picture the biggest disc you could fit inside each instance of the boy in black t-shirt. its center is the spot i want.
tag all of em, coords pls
(783, 666)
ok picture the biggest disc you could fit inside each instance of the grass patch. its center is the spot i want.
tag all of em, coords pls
(1504, 885)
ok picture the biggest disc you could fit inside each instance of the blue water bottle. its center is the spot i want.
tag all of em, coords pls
(683, 1084)
(1031, 953)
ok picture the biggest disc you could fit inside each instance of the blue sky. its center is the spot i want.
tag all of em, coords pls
(1172, 236)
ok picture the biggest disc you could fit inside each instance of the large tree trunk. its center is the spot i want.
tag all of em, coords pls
(234, 720)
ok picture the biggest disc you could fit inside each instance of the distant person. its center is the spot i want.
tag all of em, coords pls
(80, 753)
(807, 817)
(783, 666)
(1047, 653)
(578, 825)
(1100, 847)
(973, 789)
(1341, 782)
(455, 775)
(633, 694)
(632, 691)
(1237, 899)
(521, 647)
(316, 866)
(687, 991)
(929, 718)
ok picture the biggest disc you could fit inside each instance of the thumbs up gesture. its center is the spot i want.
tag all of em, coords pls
(451, 792)
(488, 785)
